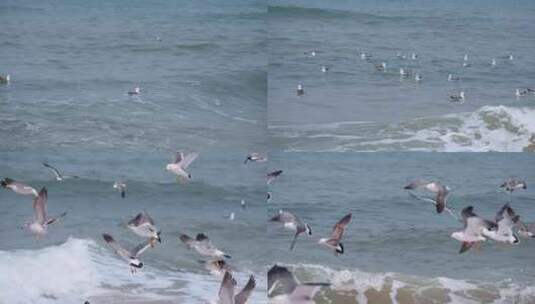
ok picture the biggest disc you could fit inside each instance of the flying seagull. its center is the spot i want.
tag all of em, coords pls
(333, 242)
(506, 220)
(41, 221)
(440, 190)
(143, 225)
(292, 222)
(283, 287)
(181, 163)
(474, 227)
(226, 291)
(121, 187)
(271, 176)
(59, 176)
(432, 201)
(18, 187)
(132, 257)
(255, 157)
(203, 246)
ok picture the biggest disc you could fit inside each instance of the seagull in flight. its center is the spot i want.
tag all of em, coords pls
(226, 290)
(203, 246)
(59, 177)
(440, 190)
(181, 163)
(143, 225)
(333, 242)
(131, 256)
(474, 229)
(41, 221)
(18, 187)
(283, 287)
(506, 219)
(292, 222)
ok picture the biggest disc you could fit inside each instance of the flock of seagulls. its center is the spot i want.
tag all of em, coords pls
(144, 226)
(502, 229)
(418, 77)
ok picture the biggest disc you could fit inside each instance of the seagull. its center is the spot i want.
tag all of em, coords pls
(121, 187)
(203, 246)
(18, 187)
(242, 204)
(143, 225)
(292, 222)
(311, 53)
(226, 291)
(255, 157)
(231, 216)
(473, 229)
(414, 56)
(5, 79)
(466, 65)
(458, 98)
(365, 56)
(40, 221)
(403, 73)
(333, 242)
(400, 56)
(181, 163)
(300, 90)
(324, 69)
(217, 267)
(136, 91)
(381, 66)
(519, 93)
(512, 184)
(268, 196)
(131, 256)
(59, 177)
(452, 77)
(435, 187)
(493, 62)
(283, 287)
(465, 57)
(506, 220)
(527, 231)
(511, 57)
(273, 175)
(418, 77)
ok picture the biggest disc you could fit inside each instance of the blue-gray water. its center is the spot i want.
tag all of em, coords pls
(397, 247)
(354, 107)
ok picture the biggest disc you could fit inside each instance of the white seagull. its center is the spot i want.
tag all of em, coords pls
(203, 246)
(132, 257)
(18, 187)
(473, 229)
(283, 287)
(418, 78)
(59, 177)
(437, 188)
(300, 90)
(324, 69)
(506, 219)
(143, 225)
(292, 222)
(41, 221)
(333, 242)
(182, 162)
(226, 291)
(403, 73)
(255, 157)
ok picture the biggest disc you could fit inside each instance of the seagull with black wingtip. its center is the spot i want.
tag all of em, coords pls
(333, 242)
(292, 222)
(131, 256)
(202, 244)
(18, 187)
(143, 225)
(474, 228)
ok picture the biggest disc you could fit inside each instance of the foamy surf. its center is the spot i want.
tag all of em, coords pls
(351, 286)
(490, 128)
(80, 270)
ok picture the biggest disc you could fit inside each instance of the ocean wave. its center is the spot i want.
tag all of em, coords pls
(355, 286)
(490, 128)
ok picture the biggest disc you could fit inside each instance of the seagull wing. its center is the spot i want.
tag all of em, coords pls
(54, 170)
(226, 290)
(281, 278)
(188, 159)
(284, 217)
(245, 293)
(179, 157)
(338, 229)
(139, 249)
(39, 206)
(125, 254)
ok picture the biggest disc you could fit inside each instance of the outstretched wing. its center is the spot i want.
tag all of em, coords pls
(282, 279)
(226, 291)
(188, 159)
(139, 249)
(245, 293)
(54, 170)
(179, 157)
(140, 219)
(116, 247)
(338, 229)
(39, 206)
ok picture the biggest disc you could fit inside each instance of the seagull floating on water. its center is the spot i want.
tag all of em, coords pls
(136, 91)
(365, 56)
(465, 58)
(41, 221)
(131, 256)
(5, 79)
(403, 73)
(292, 222)
(333, 242)
(452, 77)
(203, 246)
(226, 290)
(519, 93)
(381, 66)
(414, 56)
(493, 62)
(255, 157)
(143, 225)
(181, 163)
(59, 177)
(400, 56)
(418, 77)
(121, 187)
(18, 187)
(511, 57)
(458, 98)
(283, 287)
(474, 228)
(512, 184)
(300, 90)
